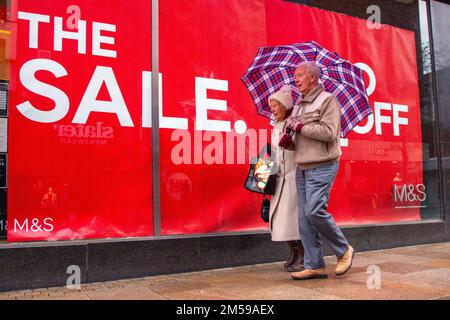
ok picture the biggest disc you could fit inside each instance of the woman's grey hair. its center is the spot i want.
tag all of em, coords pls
(312, 68)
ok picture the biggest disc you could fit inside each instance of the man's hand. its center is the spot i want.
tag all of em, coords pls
(296, 125)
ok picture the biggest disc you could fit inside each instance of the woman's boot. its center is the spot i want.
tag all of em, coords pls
(297, 264)
(292, 254)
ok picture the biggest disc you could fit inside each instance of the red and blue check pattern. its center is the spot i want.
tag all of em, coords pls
(274, 67)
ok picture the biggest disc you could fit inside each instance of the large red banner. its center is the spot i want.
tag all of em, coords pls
(80, 153)
(80, 136)
(202, 60)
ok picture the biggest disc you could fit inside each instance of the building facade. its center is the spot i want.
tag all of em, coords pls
(126, 133)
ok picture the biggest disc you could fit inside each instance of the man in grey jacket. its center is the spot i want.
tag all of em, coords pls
(314, 133)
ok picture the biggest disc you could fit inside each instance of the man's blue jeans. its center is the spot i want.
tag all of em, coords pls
(313, 187)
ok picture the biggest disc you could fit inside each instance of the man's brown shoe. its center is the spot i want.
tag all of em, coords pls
(345, 262)
(309, 274)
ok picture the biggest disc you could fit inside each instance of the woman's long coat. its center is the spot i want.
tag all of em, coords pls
(284, 204)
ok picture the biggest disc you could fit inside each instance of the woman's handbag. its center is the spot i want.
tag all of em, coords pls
(265, 209)
(260, 178)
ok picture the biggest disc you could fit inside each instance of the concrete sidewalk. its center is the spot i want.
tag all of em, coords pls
(419, 272)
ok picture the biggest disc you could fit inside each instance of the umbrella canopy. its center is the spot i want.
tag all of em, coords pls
(274, 67)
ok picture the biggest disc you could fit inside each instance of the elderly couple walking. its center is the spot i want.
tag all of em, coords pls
(305, 143)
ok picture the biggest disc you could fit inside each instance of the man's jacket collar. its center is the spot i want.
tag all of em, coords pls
(311, 96)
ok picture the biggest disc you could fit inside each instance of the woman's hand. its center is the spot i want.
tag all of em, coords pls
(286, 139)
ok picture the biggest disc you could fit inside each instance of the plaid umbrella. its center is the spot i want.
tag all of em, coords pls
(274, 67)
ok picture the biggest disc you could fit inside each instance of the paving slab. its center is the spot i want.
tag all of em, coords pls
(417, 272)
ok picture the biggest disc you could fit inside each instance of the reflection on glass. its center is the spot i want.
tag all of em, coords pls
(5, 57)
(440, 13)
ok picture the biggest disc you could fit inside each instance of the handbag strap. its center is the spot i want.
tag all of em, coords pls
(266, 149)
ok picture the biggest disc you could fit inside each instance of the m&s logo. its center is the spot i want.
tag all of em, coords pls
(409, 193)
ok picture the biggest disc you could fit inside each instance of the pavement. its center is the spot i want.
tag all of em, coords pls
(417, 272)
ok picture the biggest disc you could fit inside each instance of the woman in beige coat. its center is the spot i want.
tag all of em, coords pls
(284, 204)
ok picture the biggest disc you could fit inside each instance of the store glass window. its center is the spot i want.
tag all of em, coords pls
(440, 13)
(76, 106)
(79, 138)
(6, 54)
(388, 172)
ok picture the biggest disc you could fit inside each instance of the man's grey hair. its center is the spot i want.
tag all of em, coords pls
(312, 68)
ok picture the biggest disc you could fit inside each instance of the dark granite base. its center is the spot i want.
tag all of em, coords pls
(37, 265)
